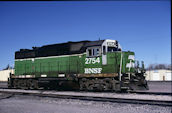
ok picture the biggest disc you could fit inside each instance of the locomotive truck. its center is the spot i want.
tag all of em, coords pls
(85, 65)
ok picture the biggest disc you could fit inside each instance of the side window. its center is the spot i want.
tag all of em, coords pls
(91, 52)
(96, 52)
(104, 50)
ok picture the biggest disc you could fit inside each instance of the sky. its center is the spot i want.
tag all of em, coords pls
(143, 27)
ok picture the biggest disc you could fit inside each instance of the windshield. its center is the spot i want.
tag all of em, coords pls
(112, 49)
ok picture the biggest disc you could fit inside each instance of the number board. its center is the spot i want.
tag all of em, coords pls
(111, 44)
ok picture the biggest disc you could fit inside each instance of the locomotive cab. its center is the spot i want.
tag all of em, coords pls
(115, 66)
(109, 46)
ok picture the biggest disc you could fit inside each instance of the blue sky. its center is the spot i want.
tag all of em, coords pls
(143, 27)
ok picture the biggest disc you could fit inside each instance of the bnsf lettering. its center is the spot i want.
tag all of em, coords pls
(92, 70)
(92, 60)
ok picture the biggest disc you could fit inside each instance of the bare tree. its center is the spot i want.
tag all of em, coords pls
(169, 67)
(150, 67)
(158, 66)
(7, 67)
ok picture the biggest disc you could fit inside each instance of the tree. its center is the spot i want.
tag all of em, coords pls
(158, 66)
(7, 67)
(150, 67)
(169, 67)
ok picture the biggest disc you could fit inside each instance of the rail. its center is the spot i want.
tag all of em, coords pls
(89, 98)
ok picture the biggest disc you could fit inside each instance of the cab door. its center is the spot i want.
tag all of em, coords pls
(104, 56)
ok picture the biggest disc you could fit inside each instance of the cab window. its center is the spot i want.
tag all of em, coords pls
(112, 49)
(89, 52)
(96, 52)
(92, 52)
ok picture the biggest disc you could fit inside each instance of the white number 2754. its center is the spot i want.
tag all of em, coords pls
(92, 60)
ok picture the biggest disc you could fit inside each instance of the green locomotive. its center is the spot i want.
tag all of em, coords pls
(86, 65)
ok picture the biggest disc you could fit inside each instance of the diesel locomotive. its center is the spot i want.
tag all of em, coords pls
(99, 65)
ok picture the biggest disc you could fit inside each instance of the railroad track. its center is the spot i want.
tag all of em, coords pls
(152, 93)
(132, 92)
(91, 98)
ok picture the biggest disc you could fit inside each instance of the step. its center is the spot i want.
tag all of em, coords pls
(136, 80)
(125, 88)
(127, 82)
(129, 90)
(127, 78)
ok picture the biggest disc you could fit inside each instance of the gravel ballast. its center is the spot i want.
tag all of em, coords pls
(30, 104)
(97, 94)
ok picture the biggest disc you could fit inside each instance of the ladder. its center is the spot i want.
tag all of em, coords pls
(126, 78)
(125, 83)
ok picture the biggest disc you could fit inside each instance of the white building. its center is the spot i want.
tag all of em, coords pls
(4, 74)
(159, 75)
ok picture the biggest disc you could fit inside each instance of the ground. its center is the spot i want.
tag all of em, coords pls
(30, 104)
(160, 86)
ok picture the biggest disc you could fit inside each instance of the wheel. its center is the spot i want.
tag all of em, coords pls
(33, 84)
(146, 85)
(16, 83)
(89, 85)
(116, 86)
(82, 84)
